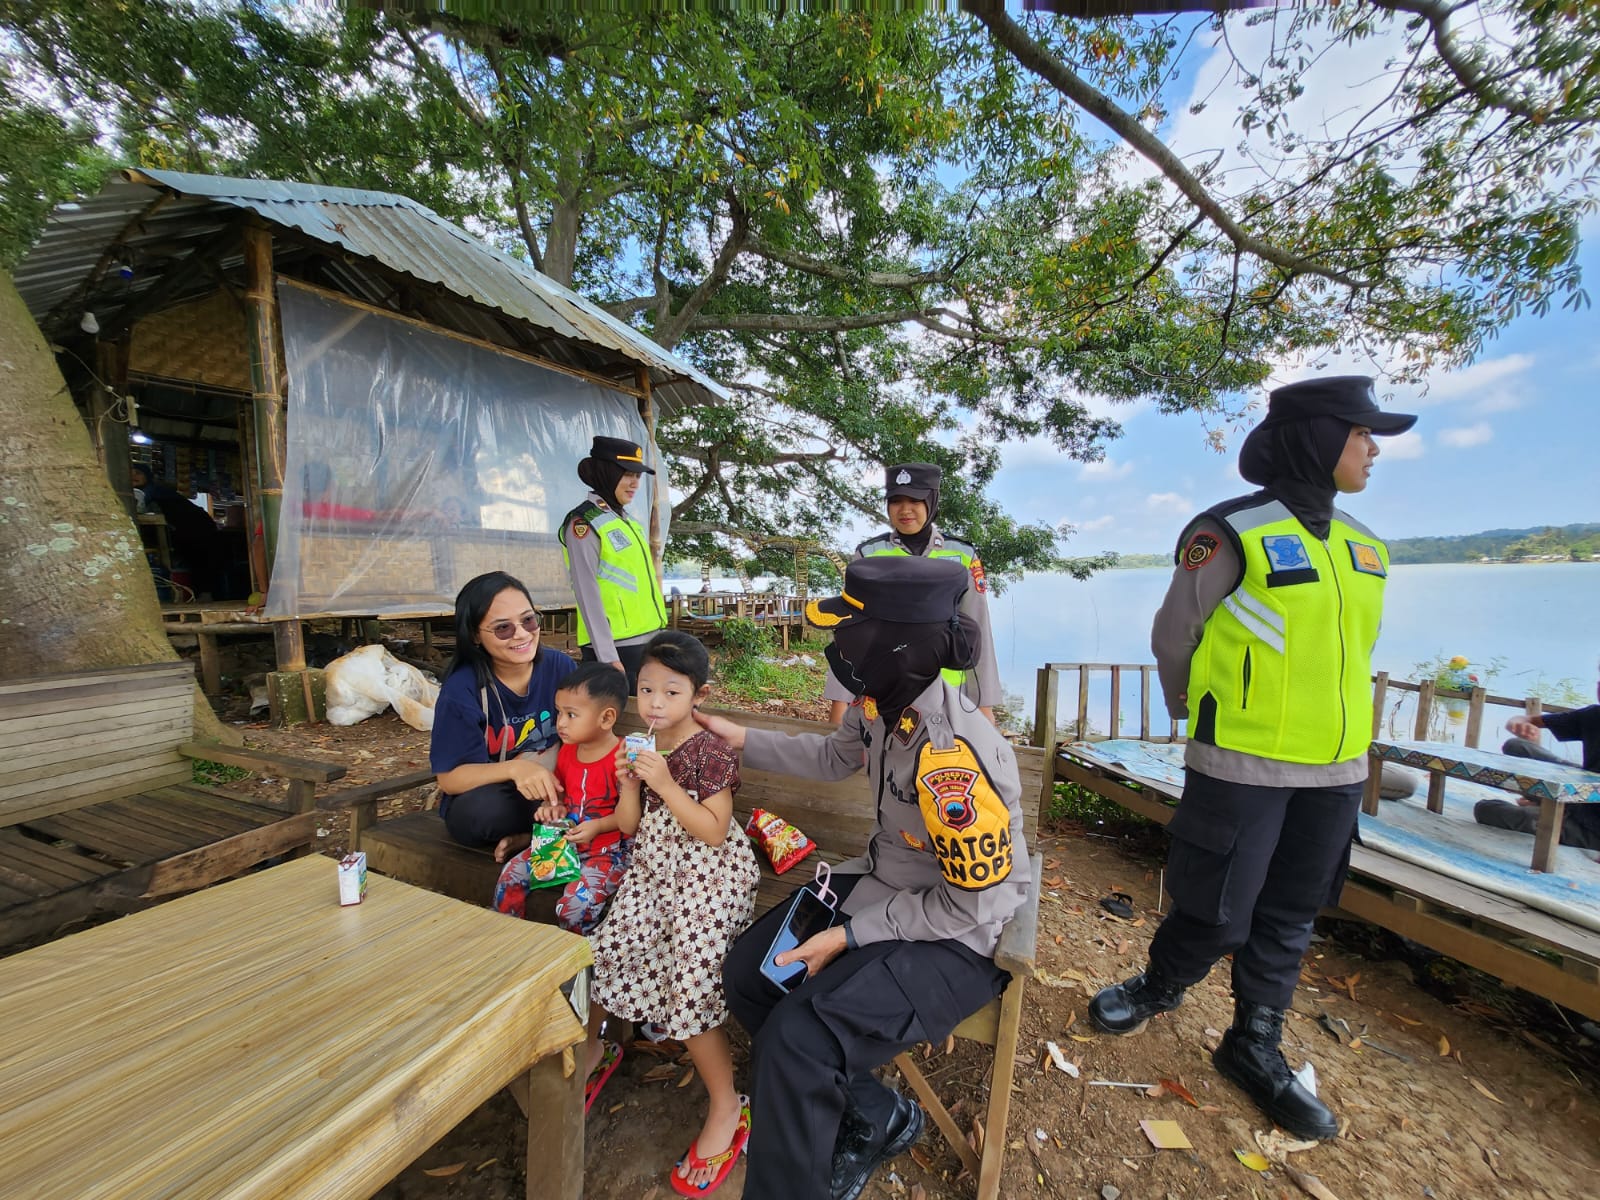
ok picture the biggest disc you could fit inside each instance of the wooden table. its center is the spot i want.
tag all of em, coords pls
(258, 1040)
(1553, 785)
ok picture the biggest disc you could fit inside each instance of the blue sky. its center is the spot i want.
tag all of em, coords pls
(1509, 441)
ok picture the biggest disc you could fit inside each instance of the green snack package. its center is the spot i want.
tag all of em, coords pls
(552, 861)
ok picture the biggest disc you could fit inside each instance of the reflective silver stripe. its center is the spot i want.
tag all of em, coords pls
(614, 574)
(1259, 609)
(1269, 513)
(1264, 632)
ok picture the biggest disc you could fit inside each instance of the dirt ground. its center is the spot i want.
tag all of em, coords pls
(1481, 1093)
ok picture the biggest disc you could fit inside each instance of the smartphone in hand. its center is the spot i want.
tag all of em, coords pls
(808, 916)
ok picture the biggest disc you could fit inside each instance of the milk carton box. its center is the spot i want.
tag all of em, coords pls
(636, 742)
(353, 878)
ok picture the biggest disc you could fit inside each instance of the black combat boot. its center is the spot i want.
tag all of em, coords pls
(860, 1148)
(1127, 1007)
(1250, 1057)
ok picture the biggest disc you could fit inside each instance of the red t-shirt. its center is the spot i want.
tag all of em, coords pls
(590, 790)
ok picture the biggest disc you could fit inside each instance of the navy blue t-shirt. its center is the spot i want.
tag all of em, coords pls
(517, 723)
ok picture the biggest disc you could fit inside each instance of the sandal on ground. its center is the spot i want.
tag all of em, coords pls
(1118, 904)
(721, 1163)
(610, 1056)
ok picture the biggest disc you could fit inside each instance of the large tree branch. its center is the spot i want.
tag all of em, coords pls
(830, 270)
(1038, 59)
(795, 323)
(713, 455)
(1467, 71)
(670, 332)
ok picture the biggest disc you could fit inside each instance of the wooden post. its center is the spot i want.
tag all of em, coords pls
(266, 381)
(1548, 836)
(1475, 715)
(1380, 692)
(1425, 691)
(255, 528)
(555, 1128)
(1044, 711)
(1116, 700)
(108, 431)
(1082, 732)
(659, 489)
(1144, 703)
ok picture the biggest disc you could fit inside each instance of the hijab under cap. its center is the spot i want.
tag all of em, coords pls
(1294, 460)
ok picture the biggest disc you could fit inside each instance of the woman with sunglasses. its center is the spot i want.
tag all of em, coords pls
(495, 718)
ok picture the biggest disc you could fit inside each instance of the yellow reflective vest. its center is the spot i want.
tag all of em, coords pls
(1283, 669)
(951, 548)
(626, 579)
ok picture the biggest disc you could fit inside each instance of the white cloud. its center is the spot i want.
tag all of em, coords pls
(1463, 436)
(1169, 502)
(1406, 445)
(1095, 525)
(1106, 469)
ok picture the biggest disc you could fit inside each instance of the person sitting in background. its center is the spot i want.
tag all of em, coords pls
(1582, 824)
(196, 542)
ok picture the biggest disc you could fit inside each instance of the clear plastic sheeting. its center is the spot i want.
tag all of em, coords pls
(418, 460)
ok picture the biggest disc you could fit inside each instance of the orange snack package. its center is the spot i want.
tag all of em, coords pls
(783, 843)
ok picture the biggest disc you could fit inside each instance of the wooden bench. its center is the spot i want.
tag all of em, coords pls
(98, 805)
(838, 816)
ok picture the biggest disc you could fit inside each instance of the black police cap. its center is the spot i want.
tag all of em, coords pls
(1351, 398)
(627, 455)
(920, 481)
(902, 588)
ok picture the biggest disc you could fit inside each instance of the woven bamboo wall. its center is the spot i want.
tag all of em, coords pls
(203, 341)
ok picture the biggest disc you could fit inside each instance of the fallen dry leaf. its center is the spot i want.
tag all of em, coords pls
(1444, 1046)
(1251, 1159)
(488, 1162)
(445, 1172)
(1483, 1091)
(1178, 1090)
(950, 1044)
(687, 1076)
(662, 1071)
(1309, 1184)
(1406, 1019)
(922, 1158)
(918, 1192)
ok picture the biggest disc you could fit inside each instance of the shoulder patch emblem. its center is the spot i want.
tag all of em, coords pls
(1366, 559)
(1286, 552)
(913, 840)
(979, 579)
(906, 727)
(966, 817)
(580, 529)
(1199, 551)
(869, 708)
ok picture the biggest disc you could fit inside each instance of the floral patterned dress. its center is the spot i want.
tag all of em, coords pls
(658, 954)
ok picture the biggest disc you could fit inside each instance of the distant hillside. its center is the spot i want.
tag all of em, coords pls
(1542, 542)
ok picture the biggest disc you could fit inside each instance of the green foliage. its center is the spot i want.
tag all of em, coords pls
(889, 236)
(1073, 804)
(1492, 543)
(211, 774)
(746, 667)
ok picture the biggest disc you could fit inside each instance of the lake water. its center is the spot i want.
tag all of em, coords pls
(1540, 618)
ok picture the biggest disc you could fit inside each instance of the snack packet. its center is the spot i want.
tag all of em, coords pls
(552, 860)
(783, 843)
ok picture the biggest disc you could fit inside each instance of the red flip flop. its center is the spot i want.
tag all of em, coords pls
(610, 1056)
(722, 1163)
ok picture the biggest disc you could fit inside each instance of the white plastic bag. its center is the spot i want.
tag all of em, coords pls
(364, 682)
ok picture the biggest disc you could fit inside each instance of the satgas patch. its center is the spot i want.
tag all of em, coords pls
(906, 727)
(1199, 551)
(580, 529)
(966, 817)
(979, 579)
(1286, 552)
(1366, 559)
(619, 539)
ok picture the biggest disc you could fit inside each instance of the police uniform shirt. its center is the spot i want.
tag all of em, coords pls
(1208, 571)
(946, 859)
(975, 604)
(583, 555)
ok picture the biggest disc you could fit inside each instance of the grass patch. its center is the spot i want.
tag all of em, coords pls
(1074, 804)
(746, 674)
(211, 774)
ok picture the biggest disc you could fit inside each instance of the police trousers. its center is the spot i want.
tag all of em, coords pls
(1248, 871)
(814, 1049)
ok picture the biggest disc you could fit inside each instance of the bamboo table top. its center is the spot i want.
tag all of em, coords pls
(257, 1040)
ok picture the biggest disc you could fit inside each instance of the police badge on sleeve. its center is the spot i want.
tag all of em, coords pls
(966, 817)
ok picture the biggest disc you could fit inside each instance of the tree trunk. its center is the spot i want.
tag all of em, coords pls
(75, 590)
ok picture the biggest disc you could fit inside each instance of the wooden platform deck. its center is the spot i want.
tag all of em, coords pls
(1515, 943)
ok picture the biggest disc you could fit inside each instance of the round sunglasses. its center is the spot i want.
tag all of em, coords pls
(504, 631)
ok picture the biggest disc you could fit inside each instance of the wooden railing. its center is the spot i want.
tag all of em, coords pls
(1096, 697)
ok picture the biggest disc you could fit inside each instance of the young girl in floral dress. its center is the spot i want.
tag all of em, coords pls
(691, 891)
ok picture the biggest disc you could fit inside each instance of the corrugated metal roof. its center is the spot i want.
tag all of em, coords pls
(155, 216)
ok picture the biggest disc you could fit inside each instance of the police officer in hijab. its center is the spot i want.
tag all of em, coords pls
(608, 560)
(911, 495)
(1264, 644)
(914, 954)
